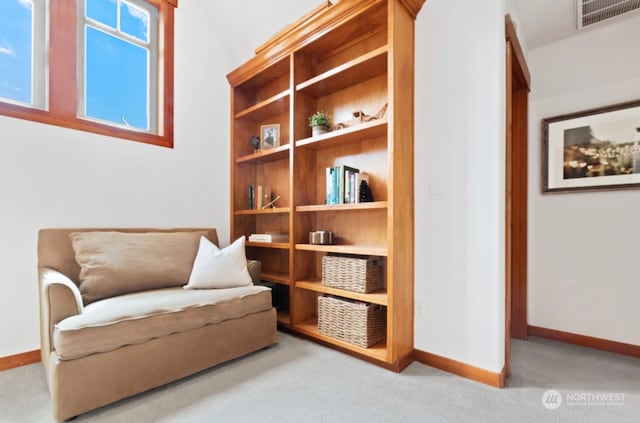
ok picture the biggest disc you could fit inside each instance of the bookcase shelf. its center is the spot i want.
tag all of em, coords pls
(275, 210)
(378, 297)
(365, 67)
(283, 318)
(255, 90)
(278, 104)
(345, 249)
(342, 207)
(373, 129)
(281, 278)
(265, 156)
(310, 328)
(276, 245)
(347, 59)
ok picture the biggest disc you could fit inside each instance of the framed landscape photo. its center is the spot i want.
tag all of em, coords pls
(592, 150)
(269, 136)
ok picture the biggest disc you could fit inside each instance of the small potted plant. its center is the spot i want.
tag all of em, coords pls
(319, 123)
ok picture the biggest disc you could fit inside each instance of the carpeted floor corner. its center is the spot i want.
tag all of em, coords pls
(299, 381)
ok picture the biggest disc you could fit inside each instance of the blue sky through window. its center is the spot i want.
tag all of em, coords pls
(103, 11)
(116, 80)
(16, 55)
(134, 21)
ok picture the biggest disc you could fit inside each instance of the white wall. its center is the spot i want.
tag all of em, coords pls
(247, 24)
(584, 247)
(54, 177)
(460, 179)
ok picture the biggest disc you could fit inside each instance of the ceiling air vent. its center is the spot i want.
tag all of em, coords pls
(593, 11)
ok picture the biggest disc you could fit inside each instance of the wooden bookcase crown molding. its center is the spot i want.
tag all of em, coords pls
(355, 56)
(413, 6)
(316, 23)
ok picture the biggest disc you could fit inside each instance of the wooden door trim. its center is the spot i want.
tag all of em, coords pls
(519, 216)
(507, 207)
(518, 79)
(520, 68)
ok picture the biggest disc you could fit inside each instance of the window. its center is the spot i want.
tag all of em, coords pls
(22, 52)
(118, 62)
(109, 69)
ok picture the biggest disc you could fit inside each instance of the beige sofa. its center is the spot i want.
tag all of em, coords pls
(116, 347)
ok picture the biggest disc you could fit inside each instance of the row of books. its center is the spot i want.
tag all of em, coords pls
(269, 237)
(343, 184)
(259, 197)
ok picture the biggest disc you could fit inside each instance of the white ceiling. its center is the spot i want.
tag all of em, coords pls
(246, 24)
(544, 22)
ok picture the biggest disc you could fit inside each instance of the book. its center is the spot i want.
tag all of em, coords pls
(269, 237)
(351, 185)
(348, 184)
(336, 185)
(340, 184)
(330, 197)
(252, 197)
(259, 197)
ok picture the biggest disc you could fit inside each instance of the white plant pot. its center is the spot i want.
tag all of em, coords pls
(319, 130)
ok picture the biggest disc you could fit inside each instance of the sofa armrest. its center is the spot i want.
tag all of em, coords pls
(59, 299)
(255, 268)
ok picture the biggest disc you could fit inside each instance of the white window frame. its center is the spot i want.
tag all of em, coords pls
(152, 45)
(39, 52)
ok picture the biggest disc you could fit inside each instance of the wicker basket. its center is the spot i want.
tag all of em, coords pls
(353, 273)
(356, 323)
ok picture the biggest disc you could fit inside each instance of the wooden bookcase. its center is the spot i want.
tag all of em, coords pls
(355, 55)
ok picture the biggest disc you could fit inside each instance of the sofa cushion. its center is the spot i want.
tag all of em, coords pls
(115, 263)
(135, 318)
(216, 268)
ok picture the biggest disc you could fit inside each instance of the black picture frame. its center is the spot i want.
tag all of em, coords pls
(596, 149)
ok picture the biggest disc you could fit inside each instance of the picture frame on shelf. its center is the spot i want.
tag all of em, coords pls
(597, 149)
(269, 136)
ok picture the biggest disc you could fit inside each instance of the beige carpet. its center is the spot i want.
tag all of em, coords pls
(299, 381)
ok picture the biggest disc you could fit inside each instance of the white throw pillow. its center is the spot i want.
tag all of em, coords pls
(216, 268)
